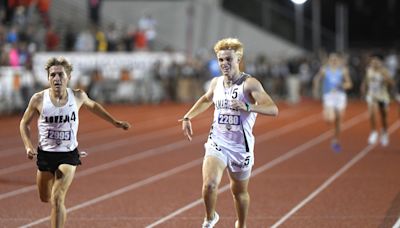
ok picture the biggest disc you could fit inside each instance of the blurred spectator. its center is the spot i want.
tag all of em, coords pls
(52, 40)
(95, 86)
(101, 40)
(44, 6)
(24, 55)
(39, 38)
(126, 89)
(26, 34)
(293, 81)
(94, 7)
(69, 38)
(113, 37)
(392, 63)
(158, 93)
(261, 72)
(187, 89)
(279, 72)
(12, 35)
(147, 24)
(168, 73)
(305, 77)
(19, 18)
(3, 35)
(128, 38)
(139, 40)
(13, 56)
(27, 84)
(10, 6)
(16, 96)
(85, 41)
(213, 68)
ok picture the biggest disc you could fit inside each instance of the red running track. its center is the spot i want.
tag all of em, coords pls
(150, 176)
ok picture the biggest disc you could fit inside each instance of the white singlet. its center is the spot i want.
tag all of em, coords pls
(232, 130)
(58, 126)
(377, 90)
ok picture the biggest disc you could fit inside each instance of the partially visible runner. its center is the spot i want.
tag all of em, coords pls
(57, 152)
(376, 86)
(238, 98)
(335, 79)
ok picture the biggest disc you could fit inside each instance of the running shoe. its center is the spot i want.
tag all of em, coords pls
(384, 139)
(373, 137)
(336, 147)
(210, 223)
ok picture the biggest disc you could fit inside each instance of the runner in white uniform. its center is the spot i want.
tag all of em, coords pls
(376, 84)
(231, 137)
(336, 80)
(237, 98)
(58, 126)
(57, 152)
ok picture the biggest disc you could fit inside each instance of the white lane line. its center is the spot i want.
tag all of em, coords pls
(397, 224)
(297, 150)
(124, 189)
(336, 175)
(16, 168)
(278, 132)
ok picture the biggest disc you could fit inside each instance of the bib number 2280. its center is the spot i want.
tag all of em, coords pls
(228, 119)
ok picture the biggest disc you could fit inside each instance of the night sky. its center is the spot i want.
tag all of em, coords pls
(372, 23)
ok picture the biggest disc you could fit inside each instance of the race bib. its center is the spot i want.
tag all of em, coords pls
(229, 119)
(59, 135)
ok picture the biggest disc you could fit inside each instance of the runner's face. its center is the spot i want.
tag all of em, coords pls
(375, 63)
(334, 60)
(58, 78)
(228, 62)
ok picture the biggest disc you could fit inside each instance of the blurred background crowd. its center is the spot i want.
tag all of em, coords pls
(32, 27)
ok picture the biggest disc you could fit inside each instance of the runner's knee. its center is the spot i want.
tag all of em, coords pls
(241, 195)
(210, 186)
(57, 199)
(45, 198)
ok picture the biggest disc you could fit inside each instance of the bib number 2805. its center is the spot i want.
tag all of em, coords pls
(228, 119)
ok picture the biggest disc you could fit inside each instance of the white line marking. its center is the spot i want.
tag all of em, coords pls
(336, 175)
(16, 168)
(397, 224)
(124, 189)
(297, 150)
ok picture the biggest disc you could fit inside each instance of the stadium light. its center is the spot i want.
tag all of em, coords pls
(299, 2)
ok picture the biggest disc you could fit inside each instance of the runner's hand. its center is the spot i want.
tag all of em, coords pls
(238, 105)
(122, 124)
(187, 128)
(30, 153)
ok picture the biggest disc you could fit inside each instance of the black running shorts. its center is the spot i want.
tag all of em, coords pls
(49, 161)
